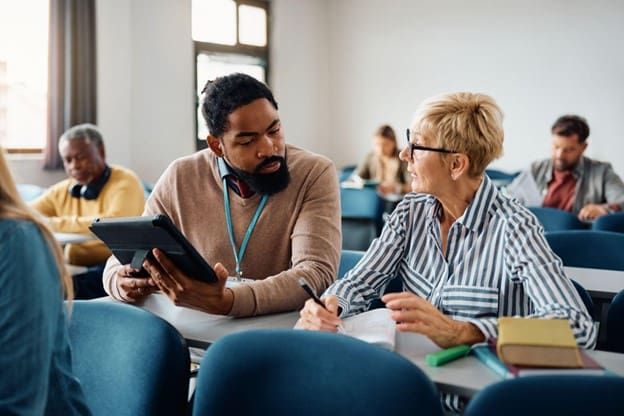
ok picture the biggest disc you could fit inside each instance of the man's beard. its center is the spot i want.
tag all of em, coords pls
(561, 166)
(266, 183)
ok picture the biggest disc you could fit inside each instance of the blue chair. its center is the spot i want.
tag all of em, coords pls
(588, 249)
(585, 297)
(556, 219)
(610, 222)
(547, 395)
(615, 324)
(348, 259)
(501, 178)
(294, 372)
(129, 361)
(29, 192)
(147, 189)
(361, 212)
(346, 172)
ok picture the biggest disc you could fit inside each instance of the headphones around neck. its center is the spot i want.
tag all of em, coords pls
(90, 191)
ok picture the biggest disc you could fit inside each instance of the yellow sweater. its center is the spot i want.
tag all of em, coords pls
(122, 196)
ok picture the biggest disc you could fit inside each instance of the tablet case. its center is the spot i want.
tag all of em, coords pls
(131, 239)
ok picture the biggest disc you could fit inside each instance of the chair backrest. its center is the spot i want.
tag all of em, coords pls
(585, 297)
(345, 173)
(611, 222)
(556, 219)
(348, 259)
(147, 189)
(615, 324)
(294, 372)
(550, 395)
(499, 177)
(29, 192)
(587, 248)
(129, 361)
(361, 212)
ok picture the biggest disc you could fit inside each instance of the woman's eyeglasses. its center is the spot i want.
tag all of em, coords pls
(413, 147)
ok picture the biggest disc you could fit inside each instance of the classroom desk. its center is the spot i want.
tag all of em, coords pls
(600, 283)
(72, 238)
(465, 376)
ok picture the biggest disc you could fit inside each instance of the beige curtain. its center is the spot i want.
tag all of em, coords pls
(71, 71)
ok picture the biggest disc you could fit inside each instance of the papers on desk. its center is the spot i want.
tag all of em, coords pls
(178, 316)
(360, 183)
(374, 326)
(72, 238)
(525, 190)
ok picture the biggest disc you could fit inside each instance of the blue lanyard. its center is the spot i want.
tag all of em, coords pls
(238, 256)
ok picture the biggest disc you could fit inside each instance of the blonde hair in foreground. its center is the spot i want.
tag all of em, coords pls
(13, 207)
(465, 122)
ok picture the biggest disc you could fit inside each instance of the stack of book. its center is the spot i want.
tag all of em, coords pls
(528, 346)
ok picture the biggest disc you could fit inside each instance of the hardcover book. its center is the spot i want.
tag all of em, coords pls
(486, 353)
(537, 342)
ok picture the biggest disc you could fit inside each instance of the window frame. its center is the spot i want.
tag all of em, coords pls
(244, 50)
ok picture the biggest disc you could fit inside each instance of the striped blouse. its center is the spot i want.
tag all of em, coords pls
(498, 263)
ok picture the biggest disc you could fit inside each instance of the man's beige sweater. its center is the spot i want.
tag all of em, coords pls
(297, 235)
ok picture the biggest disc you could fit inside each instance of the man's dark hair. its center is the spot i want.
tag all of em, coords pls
(569, 125)
(225, 94)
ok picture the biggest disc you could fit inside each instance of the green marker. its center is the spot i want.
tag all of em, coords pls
(442, 357)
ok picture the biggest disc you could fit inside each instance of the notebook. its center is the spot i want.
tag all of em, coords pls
(374, 326)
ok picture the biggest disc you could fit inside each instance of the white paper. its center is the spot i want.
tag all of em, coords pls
(525, 190)
(374, 326)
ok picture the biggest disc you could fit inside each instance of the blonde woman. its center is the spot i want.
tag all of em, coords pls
(465, 254)
(35, 358)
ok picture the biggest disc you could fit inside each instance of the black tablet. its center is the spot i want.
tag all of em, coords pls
(131, 239)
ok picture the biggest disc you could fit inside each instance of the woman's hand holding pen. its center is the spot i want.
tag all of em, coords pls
(319, 318)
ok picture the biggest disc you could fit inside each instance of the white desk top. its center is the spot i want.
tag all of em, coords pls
(598, 282)
(465, 376)
(72, 238)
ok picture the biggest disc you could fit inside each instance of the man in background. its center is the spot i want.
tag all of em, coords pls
(570, 181)
(253, 207)
(93, 190)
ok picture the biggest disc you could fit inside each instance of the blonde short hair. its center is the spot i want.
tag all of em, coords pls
(464, 122)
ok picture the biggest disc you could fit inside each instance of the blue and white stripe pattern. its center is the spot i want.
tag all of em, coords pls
(498, 263)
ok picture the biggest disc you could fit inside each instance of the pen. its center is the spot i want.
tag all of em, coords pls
(306, 286)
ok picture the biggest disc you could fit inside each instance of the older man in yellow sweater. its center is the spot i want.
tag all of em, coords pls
(93, 190)
(279, 203)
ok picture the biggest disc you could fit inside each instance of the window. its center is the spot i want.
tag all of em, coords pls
(229, 36)
(23, 74)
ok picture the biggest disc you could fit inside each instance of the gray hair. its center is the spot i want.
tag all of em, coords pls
(87, 131)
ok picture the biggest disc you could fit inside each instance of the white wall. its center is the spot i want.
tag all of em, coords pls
(145, 82)
(299, 73)
(538, 59)
(340, 68)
